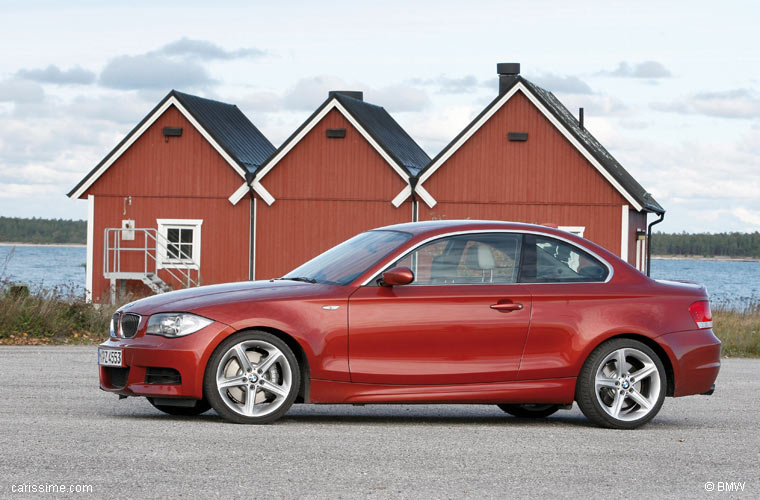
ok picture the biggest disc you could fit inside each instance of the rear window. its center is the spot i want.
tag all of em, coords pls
(548, 260)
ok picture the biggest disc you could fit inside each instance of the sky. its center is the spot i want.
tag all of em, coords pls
(672, 89)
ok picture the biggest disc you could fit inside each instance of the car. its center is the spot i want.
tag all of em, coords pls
(526, 317)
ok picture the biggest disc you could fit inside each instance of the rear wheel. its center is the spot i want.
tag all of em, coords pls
(622, 384)
(201, 406)
(252, 378)
(530, 410)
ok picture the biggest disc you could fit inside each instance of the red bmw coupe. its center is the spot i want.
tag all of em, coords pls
(525, 317)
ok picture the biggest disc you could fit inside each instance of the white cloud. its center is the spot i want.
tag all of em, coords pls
(646, 69)
(153, 71)
(53, 74)
(567, 84)
(203, 49)
(20, 91)
(399, 98)
(736, 103)
(449, 85)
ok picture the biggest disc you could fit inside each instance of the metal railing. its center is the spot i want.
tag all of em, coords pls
(180, 269)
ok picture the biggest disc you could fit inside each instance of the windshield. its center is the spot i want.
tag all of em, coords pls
(344, 263)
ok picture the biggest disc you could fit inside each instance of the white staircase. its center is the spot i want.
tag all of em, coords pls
(155, 283)
(137, 258)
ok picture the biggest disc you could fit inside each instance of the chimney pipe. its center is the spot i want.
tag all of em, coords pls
(580, 117)
(508, 73)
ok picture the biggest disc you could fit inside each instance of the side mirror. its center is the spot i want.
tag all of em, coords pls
(397, 276)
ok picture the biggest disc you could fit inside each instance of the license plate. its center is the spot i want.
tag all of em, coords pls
(109, 357)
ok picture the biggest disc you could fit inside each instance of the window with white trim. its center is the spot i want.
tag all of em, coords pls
(576, 230)
(179, 243)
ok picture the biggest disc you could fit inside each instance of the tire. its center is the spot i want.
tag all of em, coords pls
(622, 384)
(530, 410)
(252, 378)
(201, 406)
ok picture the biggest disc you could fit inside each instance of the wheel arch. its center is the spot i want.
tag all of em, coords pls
(652, 344)
(295, 346)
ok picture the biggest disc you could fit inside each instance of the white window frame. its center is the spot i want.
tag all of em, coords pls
(576, 230)
(163, 228)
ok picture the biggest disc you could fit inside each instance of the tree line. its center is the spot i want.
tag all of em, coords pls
(34, 230)
(706, 244)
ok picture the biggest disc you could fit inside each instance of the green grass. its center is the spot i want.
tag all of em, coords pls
(739, 331)
(56, 316)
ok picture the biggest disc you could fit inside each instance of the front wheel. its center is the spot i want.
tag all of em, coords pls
(252, 378)
(622, 384)
(530, 410)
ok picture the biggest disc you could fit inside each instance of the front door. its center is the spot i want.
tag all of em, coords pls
(463, 319)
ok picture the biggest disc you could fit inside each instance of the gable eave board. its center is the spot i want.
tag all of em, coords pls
(137, 132)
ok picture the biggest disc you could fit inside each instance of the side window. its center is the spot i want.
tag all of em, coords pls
(178, 243)
(466, 259)
(547, 260)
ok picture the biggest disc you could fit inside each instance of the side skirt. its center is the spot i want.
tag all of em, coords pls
(555, 390)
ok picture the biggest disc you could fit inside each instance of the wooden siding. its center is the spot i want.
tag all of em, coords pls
(184, 178)
(186, 166)
(542, 180)
(327, 190)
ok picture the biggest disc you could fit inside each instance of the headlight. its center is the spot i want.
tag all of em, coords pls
(112, 329)
(175, 324)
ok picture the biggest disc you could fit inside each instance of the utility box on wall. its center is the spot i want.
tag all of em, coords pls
(128, 230)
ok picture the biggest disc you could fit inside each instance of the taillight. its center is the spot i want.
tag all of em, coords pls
(701, 313)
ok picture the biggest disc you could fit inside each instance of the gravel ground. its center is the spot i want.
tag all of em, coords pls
(58, 428)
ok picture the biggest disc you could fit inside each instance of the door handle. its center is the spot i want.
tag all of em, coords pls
(507, 306)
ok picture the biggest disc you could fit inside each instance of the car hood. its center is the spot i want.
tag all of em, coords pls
(203, 299)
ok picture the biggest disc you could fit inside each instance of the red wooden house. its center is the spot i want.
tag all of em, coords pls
(526, 158)
(339, 174)
(169, 184)
(196, 194)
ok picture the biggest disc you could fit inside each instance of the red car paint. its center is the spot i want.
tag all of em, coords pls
(483, 343)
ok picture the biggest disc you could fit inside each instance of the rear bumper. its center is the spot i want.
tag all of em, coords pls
(695, 355)
(187, 355)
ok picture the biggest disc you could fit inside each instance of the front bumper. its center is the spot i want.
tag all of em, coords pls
(695, 356)
(187, 355)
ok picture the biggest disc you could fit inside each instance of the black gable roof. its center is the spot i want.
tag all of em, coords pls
(226, 124)
(387, 132)
(230, 128)
(588, 141)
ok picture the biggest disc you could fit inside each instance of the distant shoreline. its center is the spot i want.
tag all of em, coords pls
(702, 257)
(15, 244)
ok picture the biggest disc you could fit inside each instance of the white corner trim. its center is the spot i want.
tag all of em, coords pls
(333, 104)
(90, 248)
(425, 196)
(403, 195)
(238, 194)
(547, 114)
(262, 191)
(172, 101)
(624, 234)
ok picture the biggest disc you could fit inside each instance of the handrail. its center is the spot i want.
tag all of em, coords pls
(180, 271)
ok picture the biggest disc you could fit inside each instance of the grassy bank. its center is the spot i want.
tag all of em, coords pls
(739, 331)
(57, 316)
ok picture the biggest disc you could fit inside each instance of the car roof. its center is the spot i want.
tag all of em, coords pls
(465, 225)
